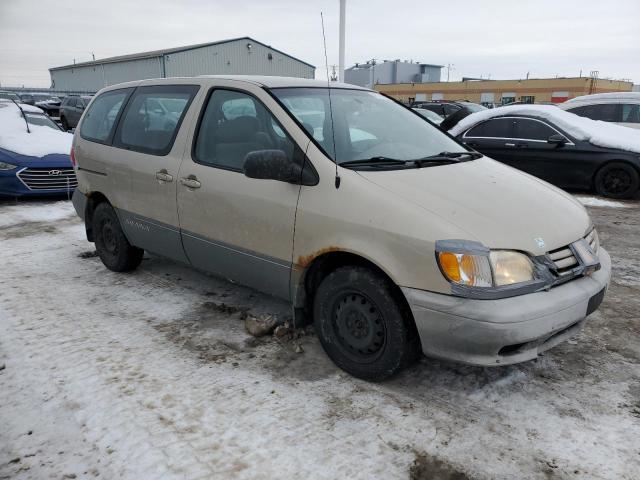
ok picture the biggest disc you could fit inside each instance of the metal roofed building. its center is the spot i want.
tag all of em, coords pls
(238, 56)
(391, 71)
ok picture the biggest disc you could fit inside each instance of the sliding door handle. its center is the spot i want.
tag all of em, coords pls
(164, 176)
(190, 182)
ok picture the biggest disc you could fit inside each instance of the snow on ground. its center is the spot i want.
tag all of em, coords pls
(590, 201)
(599, 133)
(40, 142)
(151, 375)
(17, 214)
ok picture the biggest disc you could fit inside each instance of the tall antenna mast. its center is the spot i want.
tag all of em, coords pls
(333, 135)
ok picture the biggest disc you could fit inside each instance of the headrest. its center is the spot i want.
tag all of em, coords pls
(238, 130)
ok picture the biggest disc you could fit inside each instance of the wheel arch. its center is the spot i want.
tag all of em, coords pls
(93, 200)
(315, 269)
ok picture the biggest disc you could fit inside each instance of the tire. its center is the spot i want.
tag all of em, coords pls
(112, 246)
(65, 124)
(617, 180)
(362, 325)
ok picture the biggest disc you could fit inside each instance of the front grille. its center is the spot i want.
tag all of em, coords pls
(564, 259)
(48, 178)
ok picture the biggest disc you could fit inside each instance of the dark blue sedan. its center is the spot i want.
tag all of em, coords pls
(34, 153)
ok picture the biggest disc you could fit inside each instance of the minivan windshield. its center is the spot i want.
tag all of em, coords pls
(366, 125)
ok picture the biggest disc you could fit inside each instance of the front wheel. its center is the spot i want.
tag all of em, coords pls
(362, 325)
(617, 180)
(112, 246)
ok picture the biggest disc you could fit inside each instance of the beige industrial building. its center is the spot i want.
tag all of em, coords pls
(538, 90)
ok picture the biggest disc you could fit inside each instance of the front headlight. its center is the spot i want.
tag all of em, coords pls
(7, 166)
(481, 267)
(510, 267)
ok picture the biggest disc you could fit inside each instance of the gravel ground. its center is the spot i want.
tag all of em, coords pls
(152, 375)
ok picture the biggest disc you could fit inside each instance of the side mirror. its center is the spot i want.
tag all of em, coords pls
(557, 140)
(271, 165)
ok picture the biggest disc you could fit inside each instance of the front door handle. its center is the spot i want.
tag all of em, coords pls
(509, 144)
(191, 182)
(164, 176)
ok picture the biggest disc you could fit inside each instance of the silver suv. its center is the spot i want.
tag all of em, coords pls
(388, 234)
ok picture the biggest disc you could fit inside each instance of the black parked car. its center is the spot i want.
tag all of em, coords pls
(51, 106)
(27, 98)
(535, 142)
(444, 108)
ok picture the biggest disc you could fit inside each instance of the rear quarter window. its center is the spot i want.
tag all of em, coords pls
(99, 121)
(153, 117)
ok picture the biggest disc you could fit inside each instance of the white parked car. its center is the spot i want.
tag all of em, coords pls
(622, 108)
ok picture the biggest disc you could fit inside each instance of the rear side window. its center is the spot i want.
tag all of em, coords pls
(495, 128)
(234, 124)
(98, 122)
(631, 113)
(533, 130)
(152, 118)
(607, 112)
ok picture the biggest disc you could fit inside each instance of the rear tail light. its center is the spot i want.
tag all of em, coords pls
(72, 155)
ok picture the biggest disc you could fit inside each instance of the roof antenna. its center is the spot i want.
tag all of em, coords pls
(333, 135)
(26, 122)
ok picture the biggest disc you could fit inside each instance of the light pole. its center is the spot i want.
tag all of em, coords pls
(343, 8)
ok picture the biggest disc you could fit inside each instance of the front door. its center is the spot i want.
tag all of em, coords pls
(237, 227)
(563, 165)
(148, 145)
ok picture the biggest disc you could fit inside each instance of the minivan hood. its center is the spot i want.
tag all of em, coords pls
(495, 204)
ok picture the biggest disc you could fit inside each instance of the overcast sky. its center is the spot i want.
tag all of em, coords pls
(496, 38)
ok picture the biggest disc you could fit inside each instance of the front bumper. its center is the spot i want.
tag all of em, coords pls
(508, 330)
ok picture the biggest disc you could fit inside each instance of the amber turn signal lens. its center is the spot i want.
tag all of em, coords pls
(450, 266)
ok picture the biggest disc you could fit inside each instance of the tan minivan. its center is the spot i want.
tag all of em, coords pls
(393, 238)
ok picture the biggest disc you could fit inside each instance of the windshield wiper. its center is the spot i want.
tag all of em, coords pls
(447, 157)
(374, 161)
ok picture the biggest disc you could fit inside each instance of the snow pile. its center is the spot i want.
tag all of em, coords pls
(40, 142)
(602, 134)
(588, 201)
(606, 96)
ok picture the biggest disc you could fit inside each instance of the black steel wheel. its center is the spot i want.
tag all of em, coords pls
(359, 326)
(617, 180)
(112, 246)
(363, 324)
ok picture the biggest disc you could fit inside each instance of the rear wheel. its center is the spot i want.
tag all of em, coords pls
(65, 124)
(617, 180)
(362, 325)
(112, 246)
